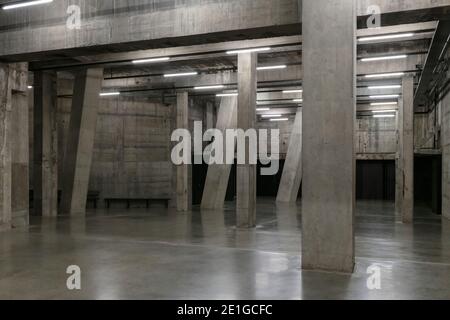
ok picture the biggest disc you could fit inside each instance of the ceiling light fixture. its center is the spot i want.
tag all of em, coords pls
(280, 119)
(151, 60)
(384, 103)
(297, 100)
(386, 37)
(271, 115)
(384, 87)
(108, 94)
(184, 74)
(249, 50)
(293, 91)
(272, 67)
(384, 116)
(209, 87)
(262, 109)
(30, 87)
(384, 111)
(227, 95)
(385, 75)
(387, 96)
(402, 56)
(25, 4)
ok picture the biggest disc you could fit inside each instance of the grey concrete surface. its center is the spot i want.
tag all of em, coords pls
(184, 171)
(160, 254)
(329, 115)
(246, 119)
(45, 145)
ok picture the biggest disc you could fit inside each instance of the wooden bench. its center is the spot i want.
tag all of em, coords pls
(130, 200)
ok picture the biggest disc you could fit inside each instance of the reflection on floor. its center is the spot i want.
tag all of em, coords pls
(160, 254)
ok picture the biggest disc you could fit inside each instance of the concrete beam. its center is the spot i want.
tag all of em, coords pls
(292, 172)
(328, 135)
(217, 178)
(246, 117)
(45, 145)
(80, 143)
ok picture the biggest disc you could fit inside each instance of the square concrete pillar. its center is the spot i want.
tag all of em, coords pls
(246, 118)
(292, 171)
(5, 147)
(329, 116)
(19, 146)
(183, 185)
(407, 150)
(399, 163)
(80, 142)
(45, 145)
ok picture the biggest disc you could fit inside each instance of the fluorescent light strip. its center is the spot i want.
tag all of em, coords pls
(384, 87)
(384, 103)
(384, 111)
(262, 109)
(403, 56)
(227, 95)
(297, 100)
(385, 75)
(386, 37)
(151, 60)
(293, 91)
(384, 116)
(387, 96)
(271, 116)
(30, 87)
(280, 119)
(107, 94)
(26, 4)
(185, 74)
(209, 87)
(249, 50)
(272, 67)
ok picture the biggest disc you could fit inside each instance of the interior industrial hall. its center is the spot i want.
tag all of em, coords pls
(224, 149)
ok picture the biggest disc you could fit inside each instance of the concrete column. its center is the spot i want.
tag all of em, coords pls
(20, 146)
(329, 112)
(80, 143)
(5, 147)
(184, 200)
(292, 172)
(209, 115)
(45, 145)
(407, 207)
(216, 183)
(246, 116)
(399, 163)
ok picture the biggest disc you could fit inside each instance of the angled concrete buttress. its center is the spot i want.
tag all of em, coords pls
(292, 172)
(329, 114)
(246, 118)
(45, 145)
(80, 143)
(218, 175)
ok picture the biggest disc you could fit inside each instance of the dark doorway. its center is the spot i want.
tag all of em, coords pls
(427, 181)
(375, 180)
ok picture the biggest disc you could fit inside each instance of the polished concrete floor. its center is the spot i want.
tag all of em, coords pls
(156, 254)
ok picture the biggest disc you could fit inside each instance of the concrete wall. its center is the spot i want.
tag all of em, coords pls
(445, 138)
(132, 144)
(375, 136)
(425, 130)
